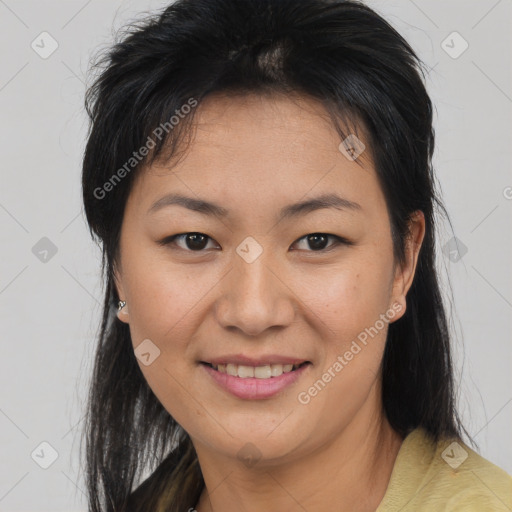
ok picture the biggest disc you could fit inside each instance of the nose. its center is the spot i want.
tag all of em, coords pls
(255, 297)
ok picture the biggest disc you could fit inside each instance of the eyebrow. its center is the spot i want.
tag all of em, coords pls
(292, 210)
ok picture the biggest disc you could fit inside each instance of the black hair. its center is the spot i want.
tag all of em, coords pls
(340, 53)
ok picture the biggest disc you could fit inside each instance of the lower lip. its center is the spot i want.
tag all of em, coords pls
(251, 388)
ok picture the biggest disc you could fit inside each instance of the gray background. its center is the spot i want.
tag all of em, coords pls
(50, 303)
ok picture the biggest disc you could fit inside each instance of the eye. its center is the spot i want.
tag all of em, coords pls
(318, 241)
(197, 242)
(194, 242)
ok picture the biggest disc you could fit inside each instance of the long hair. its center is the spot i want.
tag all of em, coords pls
(341, 53)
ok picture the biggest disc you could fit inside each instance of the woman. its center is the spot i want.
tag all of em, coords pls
(258, 173)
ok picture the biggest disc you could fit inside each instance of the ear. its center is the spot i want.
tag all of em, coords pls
(118, 283)
(404, 273)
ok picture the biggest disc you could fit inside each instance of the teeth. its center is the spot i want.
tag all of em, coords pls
(260, 372)
(263, 372)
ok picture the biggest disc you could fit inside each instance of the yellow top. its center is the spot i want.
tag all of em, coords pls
(447, 477)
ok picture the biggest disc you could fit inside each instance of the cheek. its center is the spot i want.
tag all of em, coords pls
(166, 308)
(351, 297)
(351, 302)
(163, 303)
(160, 295)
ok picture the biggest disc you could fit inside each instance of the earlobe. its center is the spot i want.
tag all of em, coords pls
(396, 311)
(122, 311)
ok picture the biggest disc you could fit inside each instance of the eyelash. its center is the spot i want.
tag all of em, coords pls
(167, 241)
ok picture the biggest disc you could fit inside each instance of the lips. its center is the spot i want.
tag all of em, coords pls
(240, 359)
(260, 372)
(257, 386)
(288, 367)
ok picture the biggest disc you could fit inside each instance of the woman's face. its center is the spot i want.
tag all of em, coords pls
(251, 284)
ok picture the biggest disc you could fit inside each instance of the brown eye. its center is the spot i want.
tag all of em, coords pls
(318, 241)
(194, 242)
(197, 242)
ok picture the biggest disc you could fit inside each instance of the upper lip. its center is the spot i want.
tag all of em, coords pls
(240, 359)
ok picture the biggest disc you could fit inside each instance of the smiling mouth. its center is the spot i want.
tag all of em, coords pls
(267, 371)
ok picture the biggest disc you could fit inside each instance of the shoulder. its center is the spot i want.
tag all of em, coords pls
(447, 476)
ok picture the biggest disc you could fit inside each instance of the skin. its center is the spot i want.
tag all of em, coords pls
(254, 155)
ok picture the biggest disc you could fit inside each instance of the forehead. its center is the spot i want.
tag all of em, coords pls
(289, 125)
(279, 146)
